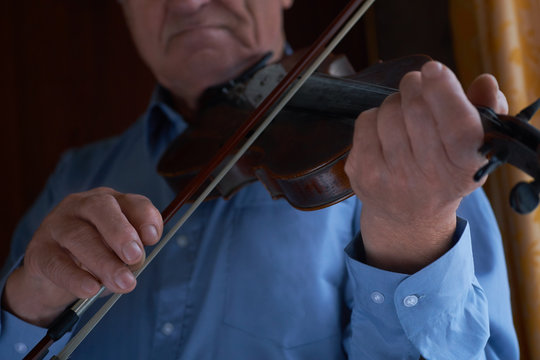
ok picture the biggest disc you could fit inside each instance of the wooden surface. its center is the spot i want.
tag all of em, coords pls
(70, 75)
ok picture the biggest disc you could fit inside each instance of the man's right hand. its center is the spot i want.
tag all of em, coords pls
(84, 242)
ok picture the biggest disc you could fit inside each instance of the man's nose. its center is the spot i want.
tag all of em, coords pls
(187, 6)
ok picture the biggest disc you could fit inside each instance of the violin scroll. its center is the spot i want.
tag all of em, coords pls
(511, 139)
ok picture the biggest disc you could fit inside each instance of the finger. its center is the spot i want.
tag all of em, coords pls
(457, 120)
(60, 269)
(144, 217)
(484, 91)
(86, 246)
(421, 127)
(366, 153)
(396, 147)
(102, 210)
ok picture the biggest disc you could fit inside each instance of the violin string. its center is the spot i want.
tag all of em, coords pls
(87, 328)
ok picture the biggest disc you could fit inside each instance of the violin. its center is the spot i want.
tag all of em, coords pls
(284, 158)
(323, 112)
(326, 108)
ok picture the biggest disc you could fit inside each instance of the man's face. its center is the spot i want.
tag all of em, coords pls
(192, 44)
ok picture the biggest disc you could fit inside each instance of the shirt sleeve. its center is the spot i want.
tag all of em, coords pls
(458, 307)
(16, 336)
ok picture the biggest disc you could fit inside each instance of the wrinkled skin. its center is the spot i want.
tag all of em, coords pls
(412, 162)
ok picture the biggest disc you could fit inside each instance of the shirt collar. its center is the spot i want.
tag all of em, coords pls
(163, 123)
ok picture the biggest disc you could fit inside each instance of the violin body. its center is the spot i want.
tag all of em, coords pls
(301, 156)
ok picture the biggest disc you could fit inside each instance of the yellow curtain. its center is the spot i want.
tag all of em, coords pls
(502, 37)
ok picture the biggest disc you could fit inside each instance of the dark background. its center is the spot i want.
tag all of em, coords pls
(70, 75)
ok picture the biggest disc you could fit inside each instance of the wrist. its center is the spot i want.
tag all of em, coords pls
(406, 246)
(32, 300)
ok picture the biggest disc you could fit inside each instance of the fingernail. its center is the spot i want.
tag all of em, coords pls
(432, 69)
(124, 278)
(132, 251)
(89, 286)
(149, 234)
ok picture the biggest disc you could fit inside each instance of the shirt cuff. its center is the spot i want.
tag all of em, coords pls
(439, 305)
(17, 337)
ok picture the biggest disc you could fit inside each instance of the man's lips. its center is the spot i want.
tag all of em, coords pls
(186, 29)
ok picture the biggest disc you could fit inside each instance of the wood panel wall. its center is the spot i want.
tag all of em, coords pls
(70, 75)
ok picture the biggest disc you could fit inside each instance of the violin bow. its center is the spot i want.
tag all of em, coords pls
(507, 140)
(272, 105)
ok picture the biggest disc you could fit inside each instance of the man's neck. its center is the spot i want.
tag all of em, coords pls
(189, 106)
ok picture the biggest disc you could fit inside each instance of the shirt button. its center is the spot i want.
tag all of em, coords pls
(410, 301)
(182, 241)
(377, 297)
(20, 348)
(167, 328)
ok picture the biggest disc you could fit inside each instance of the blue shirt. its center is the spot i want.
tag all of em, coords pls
(253, 278)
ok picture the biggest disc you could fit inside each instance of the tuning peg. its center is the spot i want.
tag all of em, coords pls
(524, 196)
(527, 113)
(495, 160)
(487, 169)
